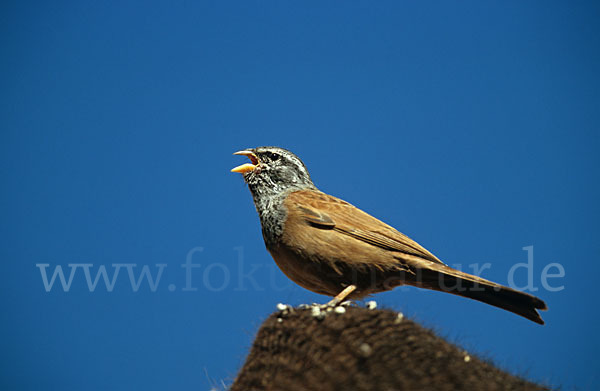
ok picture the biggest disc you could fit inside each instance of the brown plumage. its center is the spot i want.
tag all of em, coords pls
(325, 244)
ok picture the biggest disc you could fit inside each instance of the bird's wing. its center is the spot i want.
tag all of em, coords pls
(326, 212)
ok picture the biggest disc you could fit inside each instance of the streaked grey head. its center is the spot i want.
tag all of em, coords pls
(273, 170)
(271, 175)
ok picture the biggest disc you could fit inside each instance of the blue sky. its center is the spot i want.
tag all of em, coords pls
(471, 127)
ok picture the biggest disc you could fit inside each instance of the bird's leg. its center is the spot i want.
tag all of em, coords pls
(341, 296)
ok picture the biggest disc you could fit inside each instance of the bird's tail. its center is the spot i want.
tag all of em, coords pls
(443, 278)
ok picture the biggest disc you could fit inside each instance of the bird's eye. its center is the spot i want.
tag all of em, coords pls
(274, 157)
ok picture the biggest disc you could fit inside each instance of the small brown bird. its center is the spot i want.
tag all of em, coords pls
(328, 246)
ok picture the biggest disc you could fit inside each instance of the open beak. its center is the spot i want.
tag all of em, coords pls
(246, 167)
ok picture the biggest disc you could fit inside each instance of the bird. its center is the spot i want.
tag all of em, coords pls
(330, 247)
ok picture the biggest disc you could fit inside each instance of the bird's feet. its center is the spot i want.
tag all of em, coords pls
(341, 296)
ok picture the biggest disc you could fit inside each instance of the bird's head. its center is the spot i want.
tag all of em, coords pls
(273, 169)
